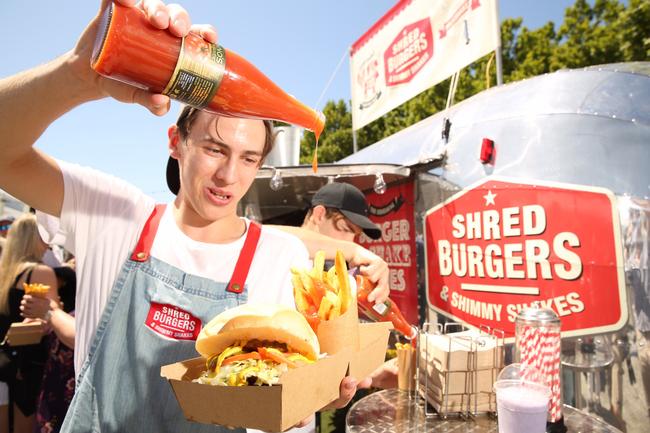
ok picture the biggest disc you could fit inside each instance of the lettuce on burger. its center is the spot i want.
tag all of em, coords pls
(254, 345)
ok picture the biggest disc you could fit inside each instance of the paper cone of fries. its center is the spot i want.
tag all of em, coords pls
(340, 333)
(325, 298)
(406, 366)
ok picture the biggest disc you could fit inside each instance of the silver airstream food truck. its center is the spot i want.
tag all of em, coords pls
(534, 191)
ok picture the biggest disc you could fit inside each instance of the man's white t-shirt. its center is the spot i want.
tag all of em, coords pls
(101, 219)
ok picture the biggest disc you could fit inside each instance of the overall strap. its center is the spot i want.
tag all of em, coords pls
(245, 259)
(143, 247)
(145, 242)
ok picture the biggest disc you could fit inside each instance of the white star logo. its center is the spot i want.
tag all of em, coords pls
(489, 198)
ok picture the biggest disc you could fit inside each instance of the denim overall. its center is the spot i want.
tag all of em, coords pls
(119, 388)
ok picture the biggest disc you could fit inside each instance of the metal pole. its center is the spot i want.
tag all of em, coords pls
(498, 50)
(499, 66)
(355, 147)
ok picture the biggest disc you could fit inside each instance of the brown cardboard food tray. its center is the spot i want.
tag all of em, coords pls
(373, 341)
(300, 393)
(25, 333)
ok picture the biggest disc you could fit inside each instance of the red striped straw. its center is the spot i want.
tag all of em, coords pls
(540, 349)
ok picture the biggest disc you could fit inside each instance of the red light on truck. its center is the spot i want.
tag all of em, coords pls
(487, 151)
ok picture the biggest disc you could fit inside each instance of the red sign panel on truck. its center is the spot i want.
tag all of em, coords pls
(393, 212)
(502, 245)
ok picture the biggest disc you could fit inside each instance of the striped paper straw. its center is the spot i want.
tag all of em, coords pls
(540, 350)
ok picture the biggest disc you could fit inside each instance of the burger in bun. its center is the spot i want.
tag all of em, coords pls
(254, 345)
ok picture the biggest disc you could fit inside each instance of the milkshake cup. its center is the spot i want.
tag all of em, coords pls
(522, 404)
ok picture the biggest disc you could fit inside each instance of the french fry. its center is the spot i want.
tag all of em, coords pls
(296, 281)
(335, 310)
(310, 290)
(345, 293)
(36, 289)
(319, 265)
(319, 289)
(324, 309)
(302, 302)
(331, 278)
(328, 284)
(325, 279)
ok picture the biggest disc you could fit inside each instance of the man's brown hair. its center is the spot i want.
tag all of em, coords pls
(188, 116)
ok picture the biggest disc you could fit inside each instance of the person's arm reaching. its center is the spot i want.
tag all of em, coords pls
(63, 325)
(30, 101)
(370, 264)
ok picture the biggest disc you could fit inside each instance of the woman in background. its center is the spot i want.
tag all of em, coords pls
(21, 263)
(58, 384)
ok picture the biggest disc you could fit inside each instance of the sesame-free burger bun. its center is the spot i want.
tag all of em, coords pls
(258, 322)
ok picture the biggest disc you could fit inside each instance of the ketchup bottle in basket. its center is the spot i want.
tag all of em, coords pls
(383, 312)
(191, 70)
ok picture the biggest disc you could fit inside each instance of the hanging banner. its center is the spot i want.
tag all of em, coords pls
(393, 212)
(500, 246)
(416, 45)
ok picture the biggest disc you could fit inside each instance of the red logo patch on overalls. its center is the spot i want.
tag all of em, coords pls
(172, 322)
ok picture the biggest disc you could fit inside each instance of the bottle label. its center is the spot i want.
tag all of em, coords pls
(198, 73)
(380, 308)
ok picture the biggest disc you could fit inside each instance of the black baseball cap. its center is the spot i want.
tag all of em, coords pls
(351, 202)
(173, 176)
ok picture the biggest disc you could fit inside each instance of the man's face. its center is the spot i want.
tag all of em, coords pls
(339, 227)
(218, 162)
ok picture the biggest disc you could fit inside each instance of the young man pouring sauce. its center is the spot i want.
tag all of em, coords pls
(140, 265)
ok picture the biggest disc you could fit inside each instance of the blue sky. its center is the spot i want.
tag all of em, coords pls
(296, 43)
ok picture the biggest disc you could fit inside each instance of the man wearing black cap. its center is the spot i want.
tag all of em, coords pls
(149, 276)
(340, 210)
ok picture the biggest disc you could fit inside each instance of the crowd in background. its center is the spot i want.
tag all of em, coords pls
(36, 380)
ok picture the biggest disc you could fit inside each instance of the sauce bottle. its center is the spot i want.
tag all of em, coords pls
(191, 70)
(383, 312)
